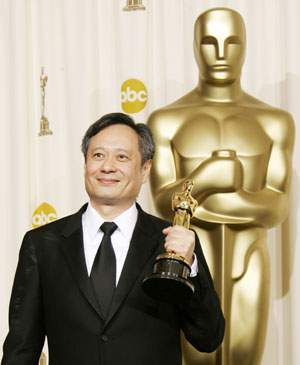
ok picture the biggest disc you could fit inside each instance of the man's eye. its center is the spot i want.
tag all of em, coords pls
(122, 157)
(98, 155)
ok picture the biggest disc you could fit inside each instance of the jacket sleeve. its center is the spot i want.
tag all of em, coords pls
(25, 339)
(202, 320)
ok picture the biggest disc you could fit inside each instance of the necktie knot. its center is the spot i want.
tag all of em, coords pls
(108, 228)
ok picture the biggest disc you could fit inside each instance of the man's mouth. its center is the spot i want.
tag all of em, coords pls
(107, 181)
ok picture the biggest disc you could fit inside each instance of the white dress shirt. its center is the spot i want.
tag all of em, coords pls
(120, 239)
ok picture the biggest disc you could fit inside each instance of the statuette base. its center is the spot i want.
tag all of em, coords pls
(169, 281)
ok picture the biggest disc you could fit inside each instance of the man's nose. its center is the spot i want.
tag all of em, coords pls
(108, 164)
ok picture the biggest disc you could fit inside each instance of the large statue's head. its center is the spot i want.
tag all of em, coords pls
(219, 45)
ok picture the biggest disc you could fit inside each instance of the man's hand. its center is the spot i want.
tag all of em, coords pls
(181, 241)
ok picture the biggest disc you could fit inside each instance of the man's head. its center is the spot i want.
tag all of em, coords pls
(146, 141)
(118, 157)
(219, 45)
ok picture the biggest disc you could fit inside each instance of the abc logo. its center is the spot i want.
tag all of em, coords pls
(133, 96)
(44, 214)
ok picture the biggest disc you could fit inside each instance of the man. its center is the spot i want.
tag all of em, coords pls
(238, 151)
(55, 292)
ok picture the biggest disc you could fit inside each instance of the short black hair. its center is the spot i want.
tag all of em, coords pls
(145, 136)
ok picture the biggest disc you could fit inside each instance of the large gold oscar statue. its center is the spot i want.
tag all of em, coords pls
(238, 151)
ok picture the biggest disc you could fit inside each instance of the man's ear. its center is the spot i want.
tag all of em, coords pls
(146, 170)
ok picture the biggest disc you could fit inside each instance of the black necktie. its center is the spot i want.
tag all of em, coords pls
(103, 272)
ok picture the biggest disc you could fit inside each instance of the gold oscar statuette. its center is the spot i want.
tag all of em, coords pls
(44, 123)
(169, 281)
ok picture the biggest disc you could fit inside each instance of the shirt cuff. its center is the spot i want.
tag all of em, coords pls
(194, 267)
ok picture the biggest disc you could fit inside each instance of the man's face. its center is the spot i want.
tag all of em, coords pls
(220, 46)
(113, 171)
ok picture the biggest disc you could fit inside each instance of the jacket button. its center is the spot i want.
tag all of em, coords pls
(104, 338)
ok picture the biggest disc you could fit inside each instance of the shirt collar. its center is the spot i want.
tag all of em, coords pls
(126, 221)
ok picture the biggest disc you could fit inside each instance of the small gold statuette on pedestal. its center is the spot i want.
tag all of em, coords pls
(44, 123)
(169, 281)
(134, 5)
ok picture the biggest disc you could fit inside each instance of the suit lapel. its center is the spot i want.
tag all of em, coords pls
(72, 247)
(142, 246)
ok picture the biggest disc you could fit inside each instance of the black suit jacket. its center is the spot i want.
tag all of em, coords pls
(52, 296)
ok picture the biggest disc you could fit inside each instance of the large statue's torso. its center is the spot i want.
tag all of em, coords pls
(203, 129)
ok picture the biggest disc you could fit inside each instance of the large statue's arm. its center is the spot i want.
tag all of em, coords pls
(265, 208)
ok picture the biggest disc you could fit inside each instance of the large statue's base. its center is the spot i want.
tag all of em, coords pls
(169, 281)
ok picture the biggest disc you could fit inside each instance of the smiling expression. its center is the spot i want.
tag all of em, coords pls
(113, 171)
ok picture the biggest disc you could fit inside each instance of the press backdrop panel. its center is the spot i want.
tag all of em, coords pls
(99, 59)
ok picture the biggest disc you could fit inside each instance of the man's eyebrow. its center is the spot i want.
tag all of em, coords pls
(116, 149)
